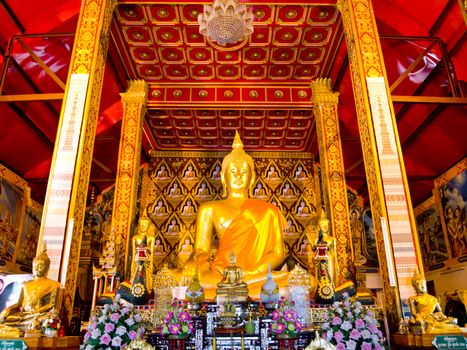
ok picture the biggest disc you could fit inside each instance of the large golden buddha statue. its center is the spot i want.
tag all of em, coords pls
(37, 297)
(251, 229)
(427, 316)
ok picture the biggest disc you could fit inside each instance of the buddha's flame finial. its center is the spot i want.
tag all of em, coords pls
(416, 275)
(237, 142)
(44, 247)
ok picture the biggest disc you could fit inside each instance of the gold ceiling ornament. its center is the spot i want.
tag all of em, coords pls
(226, 22)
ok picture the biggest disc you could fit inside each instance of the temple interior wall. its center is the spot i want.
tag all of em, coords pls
(177, 184)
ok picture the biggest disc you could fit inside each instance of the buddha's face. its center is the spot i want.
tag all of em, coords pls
(420, 285)
(143, 225)
(238, 176)
(324, 225)
(39, 268)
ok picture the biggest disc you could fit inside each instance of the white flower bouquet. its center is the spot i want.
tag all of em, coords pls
(114, 327)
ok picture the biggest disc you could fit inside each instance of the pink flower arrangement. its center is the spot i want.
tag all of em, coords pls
(114, 327)
(285, 319)
(178, 321)
(350, 325)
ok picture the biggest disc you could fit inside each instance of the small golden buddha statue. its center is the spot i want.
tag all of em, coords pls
(250, 228)
(37, 297)
(232, 284)
(427, 316)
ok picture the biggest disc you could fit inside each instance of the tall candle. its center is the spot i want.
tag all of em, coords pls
(214, 343)
(243, 343)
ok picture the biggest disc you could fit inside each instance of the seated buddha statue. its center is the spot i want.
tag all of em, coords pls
(250, 228)
(232, 281)
(37, 297)
(427, 316)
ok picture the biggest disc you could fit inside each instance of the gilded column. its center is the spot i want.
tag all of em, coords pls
(65, 203)
(126, 185)
(393, 219)
(333, 174)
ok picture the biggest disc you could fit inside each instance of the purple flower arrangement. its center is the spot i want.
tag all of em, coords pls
(350, 325)
(114, 327)
(285, 319)
(178, 321)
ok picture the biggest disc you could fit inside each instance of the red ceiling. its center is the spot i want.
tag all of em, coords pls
(200, 94)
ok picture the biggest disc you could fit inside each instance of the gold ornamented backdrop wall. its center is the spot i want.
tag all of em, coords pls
(177, 183)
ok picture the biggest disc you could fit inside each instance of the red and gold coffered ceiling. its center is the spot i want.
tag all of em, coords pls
(200, 92)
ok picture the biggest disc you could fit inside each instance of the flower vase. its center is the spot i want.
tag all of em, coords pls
(50, 333)
(250, 328)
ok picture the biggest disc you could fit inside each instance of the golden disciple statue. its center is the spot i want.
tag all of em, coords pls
(137, 291)
(251, 229)
(427, 316)
(143, 239)
(37, 297)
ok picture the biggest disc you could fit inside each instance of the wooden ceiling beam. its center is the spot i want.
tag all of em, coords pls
(429, 99)
(12, 16)
(41, 63)
(31, 97)
(410, 68)
(33, 86)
